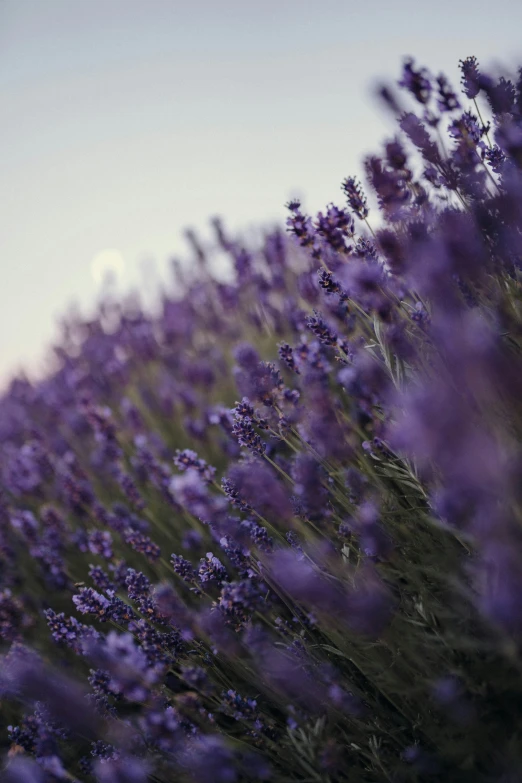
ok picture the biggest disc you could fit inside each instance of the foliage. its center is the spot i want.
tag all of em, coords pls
(274, 532)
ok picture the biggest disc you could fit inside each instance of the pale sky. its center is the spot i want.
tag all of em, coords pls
(125, 121)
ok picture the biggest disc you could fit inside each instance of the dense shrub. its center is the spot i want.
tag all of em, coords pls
(274, 531)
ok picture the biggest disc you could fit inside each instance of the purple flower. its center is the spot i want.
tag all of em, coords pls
(104, 751)
(301, 226)
(21, 470)
(160, 647)
(88, 601)
(309, 485)
(370, 604)
(191, 491)
(447, 99)
(240, 709)
(100, 579)
(122, 770)
(130, 489)
(142, 544)
(101, 420)
(320, 328)
(356, 198)
(257, 534)
(68, 631)
(467, 128)
(171, 607)
(23, 674)
(241, 599)
(100, 543)
(130, 670)
(260, 488)
(396, 156)
(416, 81)
(291, 673)
(496, 158)
(13, 616)
(213, 624)
(23, 770)
(25, 522)
(211, 569)
(183, 568)
(330, 285)
(374, 541)
(209, 760)
(501, 96)
(189, 459)
(162, 727)
(246, 356)
(286, 355)
(470, 78)
(138, 586)
(191, 540)
(335, 226)
(247, 436)
(233, 495)
(261, 382)
(415, 130)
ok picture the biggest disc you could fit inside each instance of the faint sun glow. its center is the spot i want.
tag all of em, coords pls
(107, 266)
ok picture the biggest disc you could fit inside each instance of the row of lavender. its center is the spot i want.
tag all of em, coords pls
(274, 533)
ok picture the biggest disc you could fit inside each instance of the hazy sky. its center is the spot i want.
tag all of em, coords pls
(125, 121)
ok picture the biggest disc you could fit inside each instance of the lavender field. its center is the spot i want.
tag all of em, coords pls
(274, 531)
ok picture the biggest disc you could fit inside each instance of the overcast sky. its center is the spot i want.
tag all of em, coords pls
(125, 121)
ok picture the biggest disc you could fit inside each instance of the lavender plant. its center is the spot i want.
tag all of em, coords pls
(274, 532)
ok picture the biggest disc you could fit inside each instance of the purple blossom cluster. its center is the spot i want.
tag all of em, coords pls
(273, 532)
